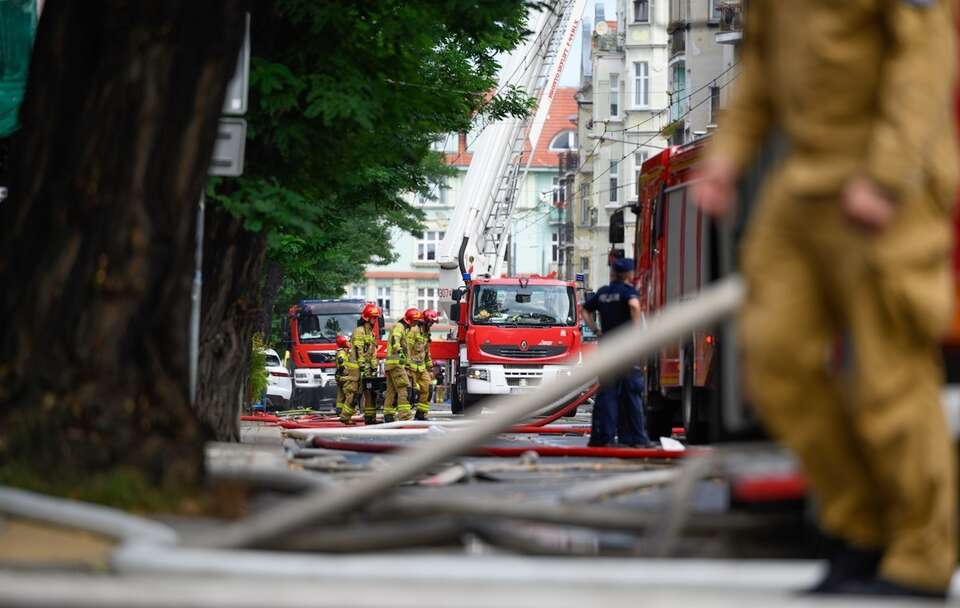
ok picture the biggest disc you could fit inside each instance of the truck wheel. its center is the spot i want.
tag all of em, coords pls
(692, 402)
(660, 410)
(456, 398)
(687, 411)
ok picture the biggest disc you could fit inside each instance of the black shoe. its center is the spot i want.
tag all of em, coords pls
(420, 415)
(368, 420)
(848, 564)
(592, 443)
(387, 418)
(880, 586)
(645, 445)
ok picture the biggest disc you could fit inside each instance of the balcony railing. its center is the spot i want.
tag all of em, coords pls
(569, 162)
(607, 42)
(731, 16)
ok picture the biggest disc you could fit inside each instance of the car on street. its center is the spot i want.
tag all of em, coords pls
(279, 383)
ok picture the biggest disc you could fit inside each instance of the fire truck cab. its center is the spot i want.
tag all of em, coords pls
(514, 334)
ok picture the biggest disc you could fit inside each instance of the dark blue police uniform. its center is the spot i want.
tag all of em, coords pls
(618, 410)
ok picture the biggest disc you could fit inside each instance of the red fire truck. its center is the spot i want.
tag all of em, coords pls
(674, 258)
(313, 329)
(513, 334)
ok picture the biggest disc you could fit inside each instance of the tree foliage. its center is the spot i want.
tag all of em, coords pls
(346, 99)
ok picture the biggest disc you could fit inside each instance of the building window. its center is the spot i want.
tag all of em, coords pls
(358, 292)
(555, 250)
(614, 95)
(613, 181)
(559, 196)
(715, 12)
(584, 204)
(447, 143)
(427, 246)
(437, 194)
(427, 298)
(641, 11)
(566, 140)
(383, 300)
(679, 95)
(641, 69)
(638, 159)
(714, 103)
(441, 189)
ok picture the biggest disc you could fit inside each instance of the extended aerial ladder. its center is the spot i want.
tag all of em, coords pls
(476, 237)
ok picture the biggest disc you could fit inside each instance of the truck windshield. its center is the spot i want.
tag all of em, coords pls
(533, 305)
(326, 328)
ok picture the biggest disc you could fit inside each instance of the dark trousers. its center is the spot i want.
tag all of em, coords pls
(618, 411)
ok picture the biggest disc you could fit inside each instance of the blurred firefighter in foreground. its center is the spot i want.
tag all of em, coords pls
(851, 240)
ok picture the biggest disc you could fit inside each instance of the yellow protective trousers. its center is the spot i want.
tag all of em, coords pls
(368, 398)
(420, 378)
(871, 437)
(395, 402)
(347, 387)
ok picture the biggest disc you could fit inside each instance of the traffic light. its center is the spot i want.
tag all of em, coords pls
(616, 227)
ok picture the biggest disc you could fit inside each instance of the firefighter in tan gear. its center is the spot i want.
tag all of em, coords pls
(419, 364)
(347, 377)
(430, 318)
(365, 343)
(396, 403)
(851, 240)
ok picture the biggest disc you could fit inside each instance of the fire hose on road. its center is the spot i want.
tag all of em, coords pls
(617, 355)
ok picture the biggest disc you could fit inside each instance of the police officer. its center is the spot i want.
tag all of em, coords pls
(396, 404)
(365, 346)
(852, 238)
(618, 410)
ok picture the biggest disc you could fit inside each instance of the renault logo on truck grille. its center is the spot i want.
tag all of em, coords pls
(523, 345)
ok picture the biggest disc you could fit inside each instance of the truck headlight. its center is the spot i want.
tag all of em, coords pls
(478, 374)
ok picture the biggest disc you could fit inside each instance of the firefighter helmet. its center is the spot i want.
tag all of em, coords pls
(342, 341)
(430, 316)
(411, 316)
(370, 311)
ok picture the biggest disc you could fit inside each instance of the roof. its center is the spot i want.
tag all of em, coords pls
(401, 274)
(562, 110)
(331, 307)
(516, 281)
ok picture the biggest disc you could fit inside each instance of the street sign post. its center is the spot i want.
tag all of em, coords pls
(227, 161)
(228, 150)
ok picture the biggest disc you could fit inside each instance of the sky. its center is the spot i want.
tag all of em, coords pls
(571, 71)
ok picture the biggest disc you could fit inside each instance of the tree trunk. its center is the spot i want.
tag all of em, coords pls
(272, 283)
(96, 250)
(231, 315)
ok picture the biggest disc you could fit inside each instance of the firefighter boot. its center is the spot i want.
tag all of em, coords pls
(368, 420)
(346, 414)
(420, 415)
(388, 418)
